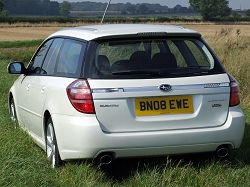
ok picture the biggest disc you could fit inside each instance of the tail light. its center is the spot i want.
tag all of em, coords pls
(80, 96)
(234, 92)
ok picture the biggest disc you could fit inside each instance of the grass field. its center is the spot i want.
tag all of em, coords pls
(22, 163)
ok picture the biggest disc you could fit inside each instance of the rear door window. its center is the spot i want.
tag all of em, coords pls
(51, 58)
(70, 58)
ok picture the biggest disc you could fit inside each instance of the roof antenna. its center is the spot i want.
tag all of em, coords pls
(105, 11)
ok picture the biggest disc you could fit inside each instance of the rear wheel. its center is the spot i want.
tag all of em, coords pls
(51, 146)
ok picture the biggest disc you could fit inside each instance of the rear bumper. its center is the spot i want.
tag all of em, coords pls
(82, 137)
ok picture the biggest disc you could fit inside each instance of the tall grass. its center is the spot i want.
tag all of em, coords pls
(233, 50)
(22, 163)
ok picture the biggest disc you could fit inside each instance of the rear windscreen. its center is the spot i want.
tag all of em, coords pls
(152, 58)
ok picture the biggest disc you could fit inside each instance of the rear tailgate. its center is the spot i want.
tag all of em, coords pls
(137, 105)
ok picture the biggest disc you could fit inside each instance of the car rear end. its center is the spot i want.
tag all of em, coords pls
(153, 93)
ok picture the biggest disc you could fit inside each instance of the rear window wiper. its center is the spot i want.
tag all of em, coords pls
(191, 71)
(199, 70)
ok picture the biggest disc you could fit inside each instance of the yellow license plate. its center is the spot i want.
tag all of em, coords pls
(163, 105)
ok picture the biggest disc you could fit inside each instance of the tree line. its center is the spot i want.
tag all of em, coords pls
(32, 7)
(128, 8)
(210, 10)
(35, 7)
(54, 8)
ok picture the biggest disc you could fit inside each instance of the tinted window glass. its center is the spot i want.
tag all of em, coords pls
(119, 51)
(37, 61)
(70, 58)
(153, 58)
(51, 58)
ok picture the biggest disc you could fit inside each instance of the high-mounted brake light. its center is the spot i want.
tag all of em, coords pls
(234, 92)
(80, 96)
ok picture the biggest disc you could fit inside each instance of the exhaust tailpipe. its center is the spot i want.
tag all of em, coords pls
(222, 152)
(106, 159)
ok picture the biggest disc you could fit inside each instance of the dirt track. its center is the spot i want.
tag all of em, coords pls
(15, 33)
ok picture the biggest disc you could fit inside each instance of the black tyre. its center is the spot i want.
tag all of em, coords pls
(51, 145)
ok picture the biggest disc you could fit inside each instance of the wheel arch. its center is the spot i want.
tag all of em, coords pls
(47, 116)
(10, 96)
(45, 120)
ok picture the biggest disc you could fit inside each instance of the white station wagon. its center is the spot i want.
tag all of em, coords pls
(126, 90)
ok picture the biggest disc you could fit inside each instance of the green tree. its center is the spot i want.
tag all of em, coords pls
(2, 3)
(235, 15)
(210, 9)
(143, 9)
(131, 9)
(65, 8)
(1, 6)
(247, 12)
(45, 4)
(4, 13)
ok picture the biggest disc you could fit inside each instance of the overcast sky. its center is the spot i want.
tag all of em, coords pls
(234, 4)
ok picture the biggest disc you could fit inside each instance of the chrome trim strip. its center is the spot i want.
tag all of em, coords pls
(156, 88)
(107, 90)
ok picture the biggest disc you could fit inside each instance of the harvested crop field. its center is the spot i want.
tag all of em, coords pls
(25, 33)
(18, 32)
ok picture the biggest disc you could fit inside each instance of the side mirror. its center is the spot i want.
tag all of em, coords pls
(16, 68)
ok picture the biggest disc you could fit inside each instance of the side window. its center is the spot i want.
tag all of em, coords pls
(177, 53)
(201, 53)
(70, 58)
(191, 53)
(37, 61)
(51, 58)
(198, 54)
(155, 48)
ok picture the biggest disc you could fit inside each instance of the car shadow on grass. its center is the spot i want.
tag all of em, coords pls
(120, 170)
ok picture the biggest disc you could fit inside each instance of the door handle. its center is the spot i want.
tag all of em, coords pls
(43, 89)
